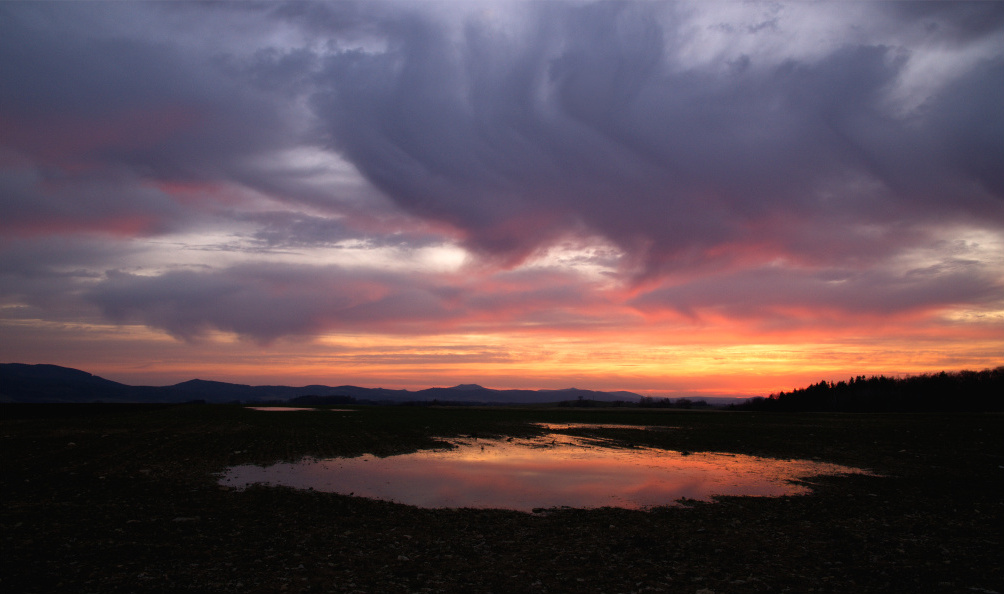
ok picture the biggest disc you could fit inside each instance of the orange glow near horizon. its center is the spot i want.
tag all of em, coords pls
(653, 361)
(302, 220)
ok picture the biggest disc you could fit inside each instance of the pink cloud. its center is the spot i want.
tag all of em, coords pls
(80, 144)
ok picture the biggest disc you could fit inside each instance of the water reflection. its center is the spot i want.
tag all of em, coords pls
(547, 472)
(569, 426)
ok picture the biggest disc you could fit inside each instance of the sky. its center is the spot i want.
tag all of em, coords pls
(674, 198)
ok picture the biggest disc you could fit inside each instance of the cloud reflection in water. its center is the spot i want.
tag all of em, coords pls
(547, 472)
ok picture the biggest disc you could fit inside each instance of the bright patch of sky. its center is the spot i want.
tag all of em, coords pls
(667, 188)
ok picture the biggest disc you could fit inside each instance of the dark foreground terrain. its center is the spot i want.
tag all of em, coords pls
(122, 498)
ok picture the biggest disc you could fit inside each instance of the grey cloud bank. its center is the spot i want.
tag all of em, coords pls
(582, 121)
(706, 143)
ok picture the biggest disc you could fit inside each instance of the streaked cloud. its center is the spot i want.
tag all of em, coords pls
(638, 172)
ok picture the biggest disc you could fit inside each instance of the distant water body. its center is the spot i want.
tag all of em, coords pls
(295, 409)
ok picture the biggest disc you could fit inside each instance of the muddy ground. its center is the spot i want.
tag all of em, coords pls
(123, 498)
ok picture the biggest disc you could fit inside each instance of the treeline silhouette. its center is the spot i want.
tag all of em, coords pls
(961, 391)
(684, 403)
(643, 402)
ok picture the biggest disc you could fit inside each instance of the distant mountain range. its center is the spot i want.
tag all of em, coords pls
(20, 382)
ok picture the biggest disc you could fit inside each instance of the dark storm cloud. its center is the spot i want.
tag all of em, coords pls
(570, 117)
(42, 201)
(967, 121)
(956, 22)
(96, 118)
(51, 273)
(75, 99)
(513, 127)
(264, 302)
(578, 119)
(832, 296)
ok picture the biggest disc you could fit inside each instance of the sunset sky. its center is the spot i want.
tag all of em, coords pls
(678, 199)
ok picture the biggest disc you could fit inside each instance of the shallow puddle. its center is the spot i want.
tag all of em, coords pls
(548, 472)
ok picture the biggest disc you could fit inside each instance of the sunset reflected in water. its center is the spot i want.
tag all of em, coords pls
(553, 471)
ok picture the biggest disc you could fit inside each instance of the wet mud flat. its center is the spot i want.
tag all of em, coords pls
(120, 498)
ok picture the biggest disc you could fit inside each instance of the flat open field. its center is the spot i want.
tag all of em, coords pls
(122, 498)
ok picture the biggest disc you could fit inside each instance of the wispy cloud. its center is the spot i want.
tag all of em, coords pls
(285, 171)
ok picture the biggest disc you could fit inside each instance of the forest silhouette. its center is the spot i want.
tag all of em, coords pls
(961, 391)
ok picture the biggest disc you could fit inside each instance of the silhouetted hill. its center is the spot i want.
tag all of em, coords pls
(962, 391)
(51, 383)
(476, 393)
